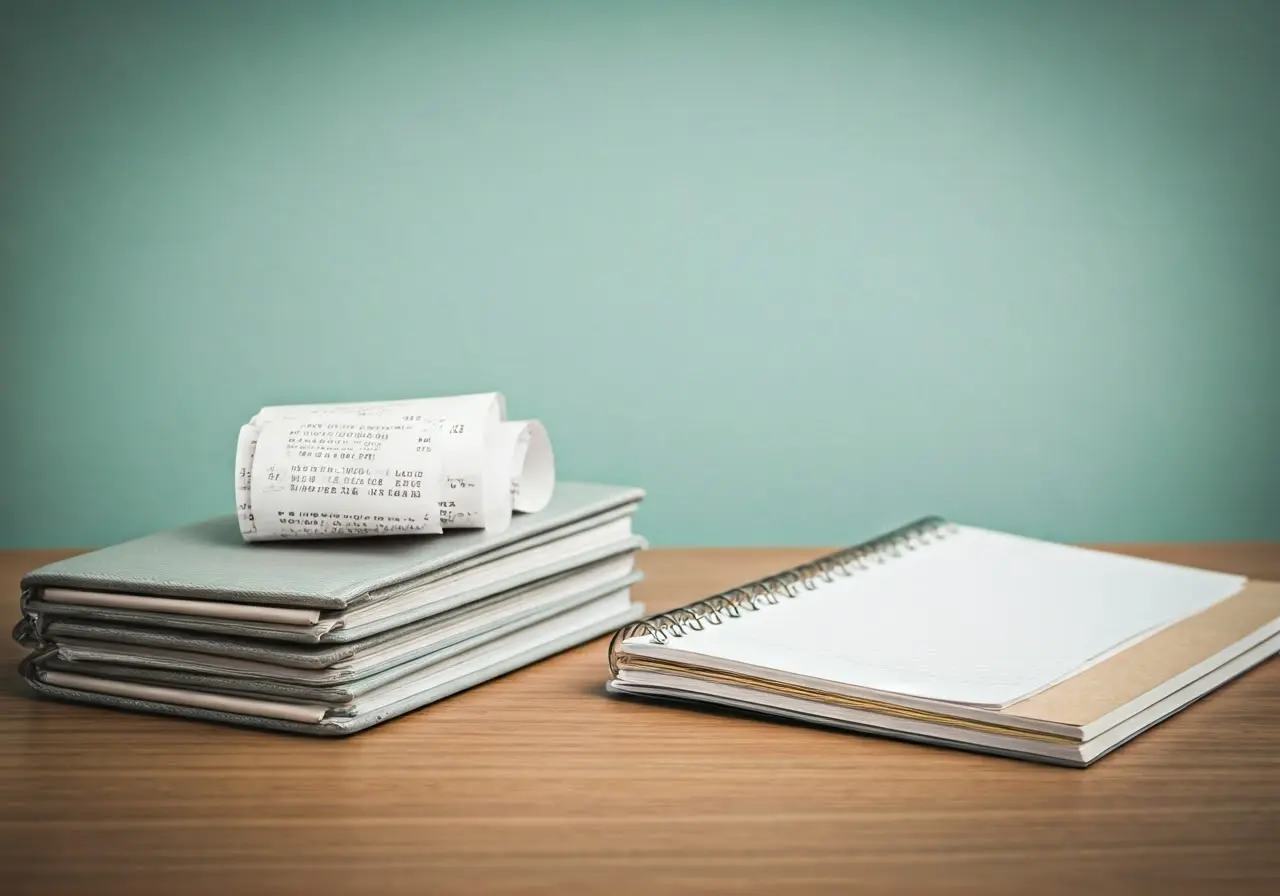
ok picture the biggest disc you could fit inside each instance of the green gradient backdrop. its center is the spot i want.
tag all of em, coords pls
(802, 270)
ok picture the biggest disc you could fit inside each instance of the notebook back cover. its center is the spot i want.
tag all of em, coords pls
(1125, 683)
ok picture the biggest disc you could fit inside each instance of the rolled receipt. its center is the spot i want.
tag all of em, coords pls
(410, 466)
(532, 466)
(487, 409)
(342, 477)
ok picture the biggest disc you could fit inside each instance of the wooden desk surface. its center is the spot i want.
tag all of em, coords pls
(539, 782)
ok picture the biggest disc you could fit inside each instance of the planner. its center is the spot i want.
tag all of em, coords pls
(960, 636)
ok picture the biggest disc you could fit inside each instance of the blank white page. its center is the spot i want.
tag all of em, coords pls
(979, 617)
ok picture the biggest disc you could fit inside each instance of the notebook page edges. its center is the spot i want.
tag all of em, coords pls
(945, 732)
(288, 663)
(1079, 709)
(617, 532)
(327, 686)
(891, 709)
(274, 709)
(975, 617)
(519, 648)
(296, 655)
(57, 603)
(533, 542)
(181, 606)
(587, 615)
(210, 560)
(338, 627)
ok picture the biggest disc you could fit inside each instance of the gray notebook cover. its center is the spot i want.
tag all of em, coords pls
(40, 617)
(313, 574)
(210, 560)
(310, 657)
(336, 688)
(339, 725)
(335, 660)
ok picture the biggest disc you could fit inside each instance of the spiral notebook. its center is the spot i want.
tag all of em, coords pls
(962, 636)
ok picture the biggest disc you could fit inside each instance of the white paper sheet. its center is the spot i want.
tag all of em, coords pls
(380, 464)
(979, 617)
(532, 464)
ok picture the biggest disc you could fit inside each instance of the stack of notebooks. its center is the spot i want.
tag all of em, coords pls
(960, 636)
(386, 555)
(383, 555)
(327, 637)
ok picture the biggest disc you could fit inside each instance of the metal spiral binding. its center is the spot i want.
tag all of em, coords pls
(788, 584)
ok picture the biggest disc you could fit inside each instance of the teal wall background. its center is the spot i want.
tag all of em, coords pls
(803, 270)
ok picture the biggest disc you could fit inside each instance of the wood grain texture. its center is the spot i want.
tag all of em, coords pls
(540, 783)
